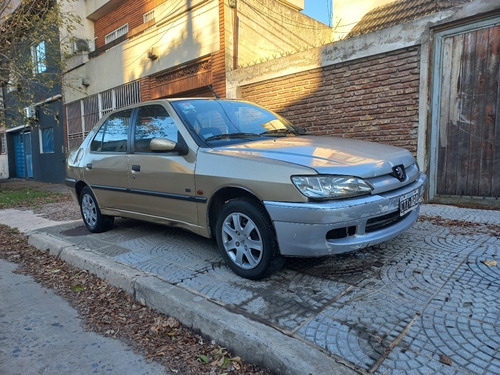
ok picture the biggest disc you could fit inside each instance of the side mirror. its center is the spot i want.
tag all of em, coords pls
(162, 145)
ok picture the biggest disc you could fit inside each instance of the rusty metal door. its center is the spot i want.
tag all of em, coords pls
(466, 113)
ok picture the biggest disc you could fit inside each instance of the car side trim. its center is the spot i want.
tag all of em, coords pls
(152, 193)
(109, 188)
(70, 182)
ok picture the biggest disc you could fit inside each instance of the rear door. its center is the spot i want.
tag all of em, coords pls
(107, 166)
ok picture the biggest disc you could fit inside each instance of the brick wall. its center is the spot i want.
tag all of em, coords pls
(130, 12)
(219, 58)
(146, 87)
(374, 98)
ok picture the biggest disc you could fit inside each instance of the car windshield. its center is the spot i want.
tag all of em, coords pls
(220, 122)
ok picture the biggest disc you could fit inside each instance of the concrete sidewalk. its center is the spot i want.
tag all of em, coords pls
(425, 302)
(41, 334)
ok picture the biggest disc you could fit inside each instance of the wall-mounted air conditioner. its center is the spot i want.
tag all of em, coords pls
(12, 86)
(30, 112)
(81, 45)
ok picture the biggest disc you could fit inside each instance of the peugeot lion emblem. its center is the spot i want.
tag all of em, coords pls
(399, 172)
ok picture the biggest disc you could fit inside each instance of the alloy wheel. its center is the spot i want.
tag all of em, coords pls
(242, 240)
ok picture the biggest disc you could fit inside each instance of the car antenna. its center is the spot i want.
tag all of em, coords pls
(209, 86)
(211, 89)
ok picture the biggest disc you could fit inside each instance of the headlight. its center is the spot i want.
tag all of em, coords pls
(331, 187)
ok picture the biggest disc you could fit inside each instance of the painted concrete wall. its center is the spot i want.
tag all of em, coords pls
(82, 30)
(4, 167)
(180, 36)
(346, 14)
(267, 29)
(96, 8)
(297, 4)
(4, 162)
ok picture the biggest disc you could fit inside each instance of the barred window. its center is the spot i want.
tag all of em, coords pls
(115, 34)
(83, 115)
(146, 17)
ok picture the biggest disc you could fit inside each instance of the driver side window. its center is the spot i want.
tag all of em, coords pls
(153, 121)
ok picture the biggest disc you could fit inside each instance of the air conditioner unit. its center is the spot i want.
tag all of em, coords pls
(12, 86)
(30, 112)
(81, 45)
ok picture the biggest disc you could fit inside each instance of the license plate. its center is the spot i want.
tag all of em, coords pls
(408, 202)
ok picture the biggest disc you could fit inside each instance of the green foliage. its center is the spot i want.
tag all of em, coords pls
(26, 198)
(25, 24)
(220, 357)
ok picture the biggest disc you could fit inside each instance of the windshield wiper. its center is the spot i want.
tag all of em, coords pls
(282, 132)
(231, 136)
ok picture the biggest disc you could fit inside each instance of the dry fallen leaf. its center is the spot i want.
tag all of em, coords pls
(445, 360)
(490, 263)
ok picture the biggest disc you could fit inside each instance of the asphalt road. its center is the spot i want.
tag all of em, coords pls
(40, 333)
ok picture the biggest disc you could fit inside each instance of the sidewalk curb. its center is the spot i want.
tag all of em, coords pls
(254, 341)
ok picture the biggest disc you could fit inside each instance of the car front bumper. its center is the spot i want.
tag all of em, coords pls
(326, 228)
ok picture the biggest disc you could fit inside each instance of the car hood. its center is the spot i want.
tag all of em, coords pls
(326, 155)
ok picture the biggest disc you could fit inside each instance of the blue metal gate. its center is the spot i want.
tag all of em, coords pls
(24, 155)
(19, 151)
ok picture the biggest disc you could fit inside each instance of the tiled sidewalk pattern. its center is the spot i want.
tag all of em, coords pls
(402, 307)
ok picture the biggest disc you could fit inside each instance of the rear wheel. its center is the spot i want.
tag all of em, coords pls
(247, 240)
(91, 214)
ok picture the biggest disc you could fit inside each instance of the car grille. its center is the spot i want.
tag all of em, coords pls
(382, 222)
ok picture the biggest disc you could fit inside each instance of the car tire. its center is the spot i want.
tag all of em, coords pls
(94, 220)
(247, 240)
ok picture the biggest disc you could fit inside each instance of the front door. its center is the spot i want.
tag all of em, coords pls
(161, 184)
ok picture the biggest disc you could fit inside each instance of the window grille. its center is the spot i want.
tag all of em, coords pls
(106, 102)
(90, 113)
(115, 34)
(146, 17)
(82, 115)
(74, 121)
(128, 94)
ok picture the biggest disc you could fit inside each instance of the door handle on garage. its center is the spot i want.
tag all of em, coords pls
(136, 168)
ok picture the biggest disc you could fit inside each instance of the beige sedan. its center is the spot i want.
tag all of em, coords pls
(237, 172)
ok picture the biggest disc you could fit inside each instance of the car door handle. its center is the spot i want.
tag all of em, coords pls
(136, 168)
(89, 166)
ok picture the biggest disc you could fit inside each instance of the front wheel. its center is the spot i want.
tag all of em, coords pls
(91, 214)
(247, 240)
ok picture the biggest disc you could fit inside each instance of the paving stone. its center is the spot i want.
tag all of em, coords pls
(438, 331)
(133, 258)
(457, 213)
(427, 292)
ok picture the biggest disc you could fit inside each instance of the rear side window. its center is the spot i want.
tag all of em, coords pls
(153, 121)
(112, 136)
